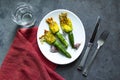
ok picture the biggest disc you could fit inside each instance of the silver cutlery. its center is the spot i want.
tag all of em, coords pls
(90, 43)
(100, 42)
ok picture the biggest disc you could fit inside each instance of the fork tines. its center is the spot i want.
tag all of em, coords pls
(104, 35)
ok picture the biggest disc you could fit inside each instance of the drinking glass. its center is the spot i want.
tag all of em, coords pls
(23, 15)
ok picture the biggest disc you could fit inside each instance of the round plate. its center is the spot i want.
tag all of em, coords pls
(78, 32)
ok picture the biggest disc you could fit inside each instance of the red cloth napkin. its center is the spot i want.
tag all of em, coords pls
(24, 61)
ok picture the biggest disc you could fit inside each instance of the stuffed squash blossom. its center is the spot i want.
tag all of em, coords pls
(54, 28)
(51, 39)
(67, 27)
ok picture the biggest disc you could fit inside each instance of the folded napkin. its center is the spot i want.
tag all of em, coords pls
(24, 61)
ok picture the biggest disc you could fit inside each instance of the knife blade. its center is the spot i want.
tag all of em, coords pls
(90, 43)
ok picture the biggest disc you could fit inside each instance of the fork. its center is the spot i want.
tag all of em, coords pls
(100, 42)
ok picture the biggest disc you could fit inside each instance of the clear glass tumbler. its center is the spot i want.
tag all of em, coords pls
(23, 15)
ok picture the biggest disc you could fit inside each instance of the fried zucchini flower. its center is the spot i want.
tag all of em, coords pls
(51, 39)
(66, 25)
(54, 28)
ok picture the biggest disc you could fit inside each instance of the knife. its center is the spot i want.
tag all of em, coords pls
(90, 43)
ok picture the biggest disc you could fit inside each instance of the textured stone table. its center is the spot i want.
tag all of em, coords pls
(107, 63)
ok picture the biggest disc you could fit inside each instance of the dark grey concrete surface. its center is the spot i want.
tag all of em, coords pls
(107, 63)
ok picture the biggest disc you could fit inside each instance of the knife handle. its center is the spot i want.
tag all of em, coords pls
(82, 63)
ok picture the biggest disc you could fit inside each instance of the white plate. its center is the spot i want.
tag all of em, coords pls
(79, 37)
